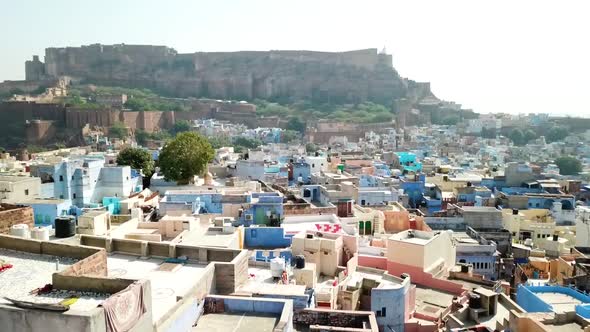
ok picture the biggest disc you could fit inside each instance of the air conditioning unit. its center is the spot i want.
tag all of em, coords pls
(249, 217)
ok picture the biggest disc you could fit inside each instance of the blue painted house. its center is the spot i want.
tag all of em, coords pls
(266, 238)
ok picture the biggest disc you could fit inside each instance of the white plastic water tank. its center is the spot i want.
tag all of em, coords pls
(528, 242)
(20, 230)
(277, 266)
(40, 233)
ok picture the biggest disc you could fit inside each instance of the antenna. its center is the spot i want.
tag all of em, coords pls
(383, 50)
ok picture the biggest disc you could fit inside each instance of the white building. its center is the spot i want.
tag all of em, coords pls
(583, 226)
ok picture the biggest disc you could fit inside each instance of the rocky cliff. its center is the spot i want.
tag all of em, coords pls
(287, 76)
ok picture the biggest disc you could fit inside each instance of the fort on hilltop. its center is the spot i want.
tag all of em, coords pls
(336, 77)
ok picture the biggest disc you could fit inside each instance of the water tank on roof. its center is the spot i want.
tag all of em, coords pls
(277, 266)
(40, 233)
(474, 301)
(20, 230)
(299, 261)
(65, 226)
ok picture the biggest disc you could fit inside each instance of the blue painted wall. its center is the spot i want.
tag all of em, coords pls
(266, 238)
(393, 301)
(526, 298)
(529, 301)
(303, 170)
(45, 213)
(267, 256)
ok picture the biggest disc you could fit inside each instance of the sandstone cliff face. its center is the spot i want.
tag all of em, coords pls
(343, 77)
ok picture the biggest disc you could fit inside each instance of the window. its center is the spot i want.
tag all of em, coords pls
(61, 196)
(27, 192)
(312, 165)
(383, 311)
(538, 236)
(61, 178)
(74, 196)
(72, 177)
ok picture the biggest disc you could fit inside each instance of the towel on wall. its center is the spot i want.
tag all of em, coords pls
(123, 309)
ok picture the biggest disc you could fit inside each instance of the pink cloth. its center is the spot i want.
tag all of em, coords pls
(123, 309)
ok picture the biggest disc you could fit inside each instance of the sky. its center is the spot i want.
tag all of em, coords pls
(490, 56)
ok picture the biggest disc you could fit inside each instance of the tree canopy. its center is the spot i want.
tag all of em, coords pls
(219, 141)
(517, 137)
(118, 130)
(185, 156)
(296, 124)
(181, 126)
(556, 134)
(529, 135)
(137, 158)
(568, 165)
(288, 136)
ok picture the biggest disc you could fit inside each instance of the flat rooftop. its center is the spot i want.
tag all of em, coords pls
(374, 274)
(432, 302)
(261, 281)
(166, 285)
(236, 322)
(560, 302)
(32, 271)
(569, 327)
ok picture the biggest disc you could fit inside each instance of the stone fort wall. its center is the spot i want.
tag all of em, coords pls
(353, 76)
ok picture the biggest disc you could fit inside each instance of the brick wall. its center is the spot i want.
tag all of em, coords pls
(15, 214)
(94, 265)
(333, 318)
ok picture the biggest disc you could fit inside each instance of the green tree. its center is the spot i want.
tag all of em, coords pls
(289, 136)
(568, 165)
(137, 158)
(219, 141)
(181, 126)
(246, 142)
(556, 133)
(529, 135)
(381, 117)
(138, 104)
(118, 130)
(185, 156)
(296, 124)
(517, 137)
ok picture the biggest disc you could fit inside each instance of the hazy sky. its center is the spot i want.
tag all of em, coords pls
(494, 56)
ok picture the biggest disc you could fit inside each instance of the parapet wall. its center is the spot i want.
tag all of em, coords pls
(230, 266)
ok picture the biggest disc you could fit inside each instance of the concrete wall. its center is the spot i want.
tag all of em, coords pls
(20, 189)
